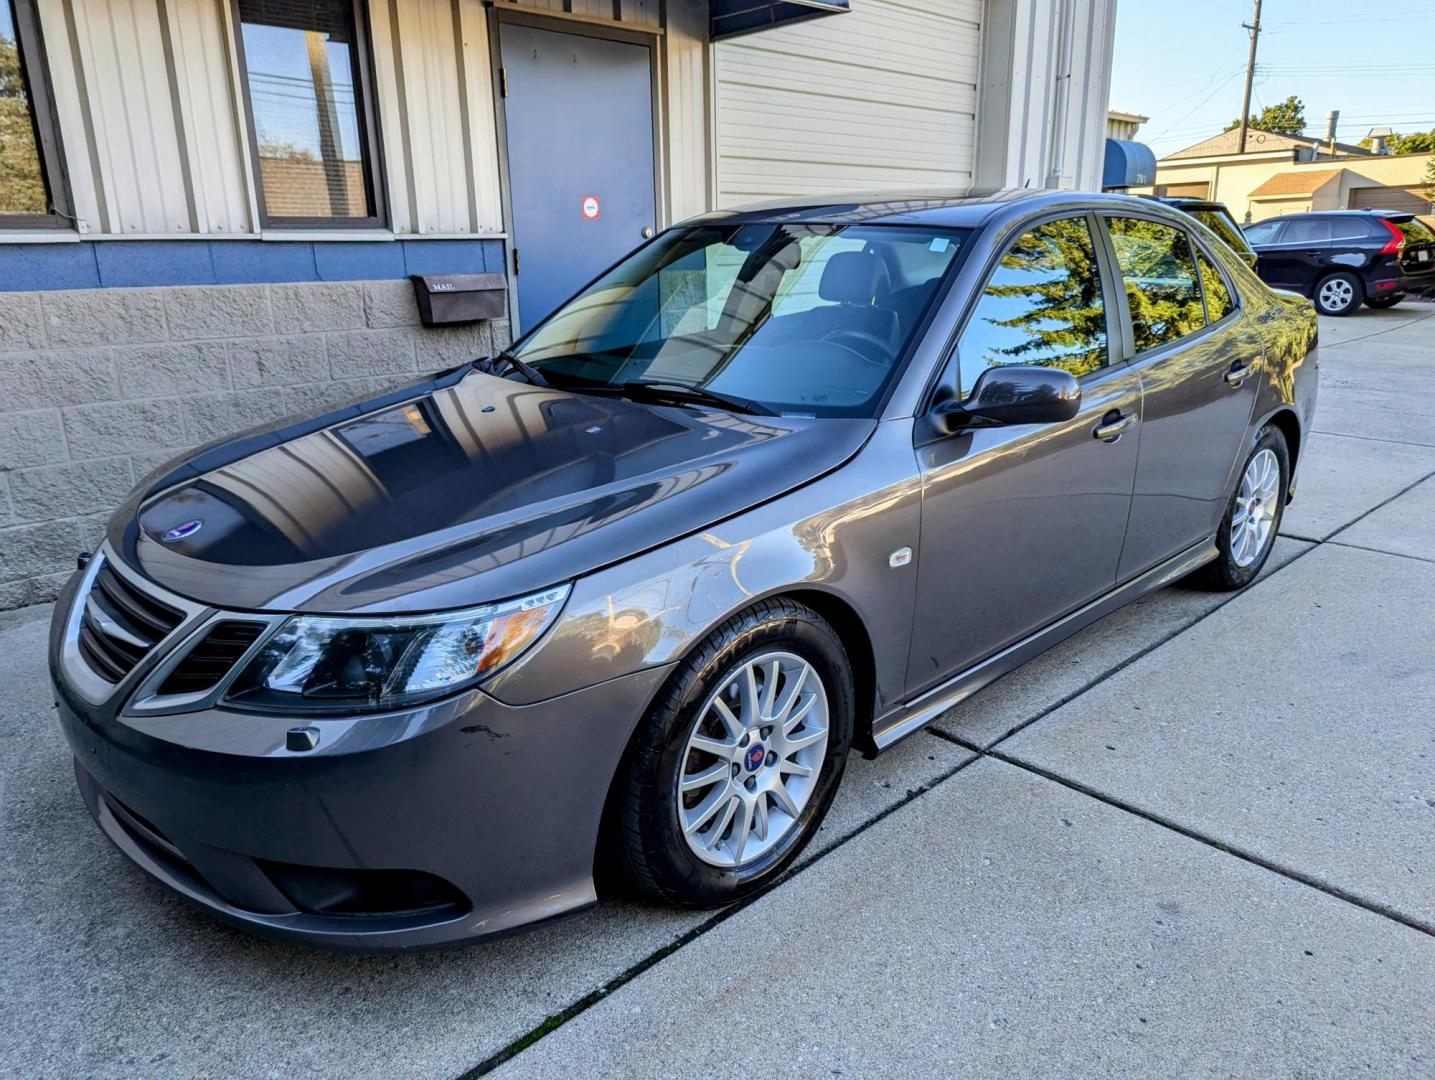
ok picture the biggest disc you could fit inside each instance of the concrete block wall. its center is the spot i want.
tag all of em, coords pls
(100, 386)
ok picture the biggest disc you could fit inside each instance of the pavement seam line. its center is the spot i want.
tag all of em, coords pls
(1371, 438)
(1154, 818)
(1380, 551)
(556, 1020)
(1332, 538)
(1377, 333)
(1068, 698)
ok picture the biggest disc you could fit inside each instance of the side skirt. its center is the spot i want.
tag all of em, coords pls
(921, 711)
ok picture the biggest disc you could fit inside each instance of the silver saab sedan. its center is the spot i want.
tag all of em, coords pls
(783, 483)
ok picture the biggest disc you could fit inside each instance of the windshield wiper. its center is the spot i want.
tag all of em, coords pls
(504, 362)
(658, 391)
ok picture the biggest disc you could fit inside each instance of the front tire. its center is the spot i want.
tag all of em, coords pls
(733, 769)
(1338, 294)
(1253, 517)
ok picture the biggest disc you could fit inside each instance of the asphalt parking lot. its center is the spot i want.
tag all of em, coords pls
(1196, 839)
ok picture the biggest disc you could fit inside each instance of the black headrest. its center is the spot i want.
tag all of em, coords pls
(854, 277)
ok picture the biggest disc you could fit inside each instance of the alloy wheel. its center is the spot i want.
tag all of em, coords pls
(753, 759)
(1256, 506)
(1337, 294)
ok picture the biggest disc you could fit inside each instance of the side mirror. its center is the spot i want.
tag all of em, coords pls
(1016, 394)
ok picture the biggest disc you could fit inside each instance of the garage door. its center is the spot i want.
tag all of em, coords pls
(881, 97)
(1406, 200)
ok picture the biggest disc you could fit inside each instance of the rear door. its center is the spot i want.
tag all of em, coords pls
(1198, 356)
(1022, 524)
(1302, 255)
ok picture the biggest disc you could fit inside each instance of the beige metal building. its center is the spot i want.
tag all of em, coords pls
(1285, 174)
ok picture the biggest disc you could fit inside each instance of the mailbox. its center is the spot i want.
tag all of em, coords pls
(451, 299)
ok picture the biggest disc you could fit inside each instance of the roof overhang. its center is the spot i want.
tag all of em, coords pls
(733, 18)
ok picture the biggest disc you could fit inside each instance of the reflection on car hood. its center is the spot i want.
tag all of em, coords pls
(473, 491)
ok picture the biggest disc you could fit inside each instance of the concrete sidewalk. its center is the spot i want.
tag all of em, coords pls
(1196, 839)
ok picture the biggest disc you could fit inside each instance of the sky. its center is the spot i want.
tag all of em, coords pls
(1183, 64)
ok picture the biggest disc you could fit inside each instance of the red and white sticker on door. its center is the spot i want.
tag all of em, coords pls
(592, 208)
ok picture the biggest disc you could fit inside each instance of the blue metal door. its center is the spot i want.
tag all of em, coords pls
(579, 118)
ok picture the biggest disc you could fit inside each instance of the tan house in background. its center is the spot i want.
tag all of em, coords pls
(1289, 174)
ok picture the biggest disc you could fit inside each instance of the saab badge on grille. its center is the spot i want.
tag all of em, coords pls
(181, 531)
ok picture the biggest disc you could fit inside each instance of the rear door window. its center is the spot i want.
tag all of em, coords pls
(1350, 229)
(1042, 306)
(1158, 270)
(1307, 231)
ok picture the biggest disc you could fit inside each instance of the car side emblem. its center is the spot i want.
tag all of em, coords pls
(181, 531)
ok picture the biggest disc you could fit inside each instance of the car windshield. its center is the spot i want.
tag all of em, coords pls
(1223, 225)
(798, 319)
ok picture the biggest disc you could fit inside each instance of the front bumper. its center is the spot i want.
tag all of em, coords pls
(408, 829)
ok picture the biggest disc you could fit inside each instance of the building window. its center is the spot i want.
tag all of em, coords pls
(312, 131)
(32, 191)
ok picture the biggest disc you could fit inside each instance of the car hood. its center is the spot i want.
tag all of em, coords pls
(459, 492)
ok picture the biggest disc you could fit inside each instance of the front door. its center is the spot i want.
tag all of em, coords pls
(1022, 524)
(1199, 374)
(579, 117)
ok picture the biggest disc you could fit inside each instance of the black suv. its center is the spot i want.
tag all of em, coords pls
(1342, 257)
(1218, 219)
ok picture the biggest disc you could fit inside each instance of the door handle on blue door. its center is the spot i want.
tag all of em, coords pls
(1112, 425)
(1239, 373)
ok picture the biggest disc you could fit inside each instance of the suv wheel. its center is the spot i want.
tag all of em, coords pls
(734, 767)
(1248, 530)
(1338, 294)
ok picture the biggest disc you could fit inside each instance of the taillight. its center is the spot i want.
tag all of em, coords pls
(1396, 243)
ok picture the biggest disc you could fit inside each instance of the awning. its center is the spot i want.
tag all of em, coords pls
(1289, 185)
(732, 18)
(1128, 164)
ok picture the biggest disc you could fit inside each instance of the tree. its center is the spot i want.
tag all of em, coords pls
(1417, 142)
(1285, 118)
(1427, 182)
(22, 186)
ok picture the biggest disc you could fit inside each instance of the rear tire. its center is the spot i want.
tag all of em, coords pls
(1382, 302)
(1338, 294)
(1253, 516)
(674, 832)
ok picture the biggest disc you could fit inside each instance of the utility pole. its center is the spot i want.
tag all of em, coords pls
(1254, 28)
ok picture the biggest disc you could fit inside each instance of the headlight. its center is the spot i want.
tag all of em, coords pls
(334, 664)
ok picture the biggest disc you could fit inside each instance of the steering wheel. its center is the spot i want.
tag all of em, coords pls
(863, 343)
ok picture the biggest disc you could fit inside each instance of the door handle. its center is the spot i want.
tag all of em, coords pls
(1239, 373)
(1112, 425)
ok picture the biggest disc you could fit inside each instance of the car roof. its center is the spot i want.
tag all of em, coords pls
(965, 208)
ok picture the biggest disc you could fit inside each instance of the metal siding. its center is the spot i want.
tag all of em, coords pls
(487, 201)
(882, 97)
(121, 49)
(684, 52)
(213, 128)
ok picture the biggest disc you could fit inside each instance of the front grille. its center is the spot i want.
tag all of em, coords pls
(120, 625)
(211, 660)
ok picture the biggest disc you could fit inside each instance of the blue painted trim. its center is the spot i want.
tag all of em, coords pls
(99, 264)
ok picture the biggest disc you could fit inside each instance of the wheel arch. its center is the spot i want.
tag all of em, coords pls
(851, 633)
(1285, 420)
